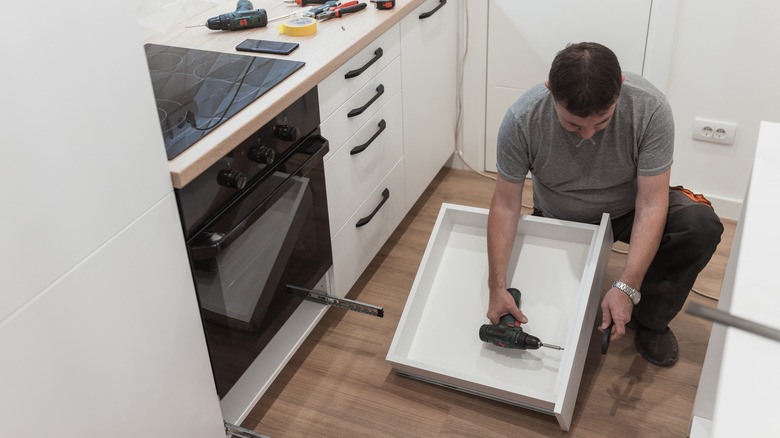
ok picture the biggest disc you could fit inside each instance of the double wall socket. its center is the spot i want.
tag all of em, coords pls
(714, 131)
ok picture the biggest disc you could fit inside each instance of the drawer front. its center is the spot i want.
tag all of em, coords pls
(340, 126)
(354, 247)
(336, 88)
(356, 168)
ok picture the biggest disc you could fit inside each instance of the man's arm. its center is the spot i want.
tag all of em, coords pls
(501, 230)
(652, 204)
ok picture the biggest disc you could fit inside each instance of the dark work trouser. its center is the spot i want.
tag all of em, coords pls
(690, 237)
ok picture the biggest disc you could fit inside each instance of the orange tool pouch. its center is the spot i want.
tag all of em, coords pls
(696, 197)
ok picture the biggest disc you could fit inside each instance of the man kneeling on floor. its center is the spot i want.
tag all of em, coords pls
(598, 140)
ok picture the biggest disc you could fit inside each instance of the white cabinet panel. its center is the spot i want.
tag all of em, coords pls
(376, 93)
(352, 177)
(114, 346)
(354, 247)
(336, 88)
(428, 71)
(82, 152)
(525, 35)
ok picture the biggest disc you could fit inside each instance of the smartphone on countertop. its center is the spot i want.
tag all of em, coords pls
(265, 46)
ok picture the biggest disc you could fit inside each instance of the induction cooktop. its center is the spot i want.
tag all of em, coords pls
(197, 90)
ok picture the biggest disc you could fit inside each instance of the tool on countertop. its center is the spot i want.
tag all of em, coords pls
(245, 17)
(508, 333)
(298, 26)
(383, 4)
(341, 10)
(322, 8)
(306, 2)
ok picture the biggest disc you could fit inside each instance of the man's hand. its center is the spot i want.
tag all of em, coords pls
(616, 307)
(501, 303)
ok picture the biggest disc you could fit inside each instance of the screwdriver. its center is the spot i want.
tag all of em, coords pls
(306, 2)
(342, 10)
(313, 12)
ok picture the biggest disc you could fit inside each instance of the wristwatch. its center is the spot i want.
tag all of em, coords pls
(632, 293)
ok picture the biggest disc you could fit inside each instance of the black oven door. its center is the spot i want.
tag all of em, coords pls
(275, 234)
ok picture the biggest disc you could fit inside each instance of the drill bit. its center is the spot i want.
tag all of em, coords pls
(554, 347)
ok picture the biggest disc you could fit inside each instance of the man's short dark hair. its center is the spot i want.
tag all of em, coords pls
(585, 78)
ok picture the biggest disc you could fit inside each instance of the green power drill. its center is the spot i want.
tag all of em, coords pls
(245, 17)
(508, 333)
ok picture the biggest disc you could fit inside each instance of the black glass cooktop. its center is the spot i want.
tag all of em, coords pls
(197, 90)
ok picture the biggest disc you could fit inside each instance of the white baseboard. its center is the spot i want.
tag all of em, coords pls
(726, 208)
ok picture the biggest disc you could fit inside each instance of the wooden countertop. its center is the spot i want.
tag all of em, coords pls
(334, 43)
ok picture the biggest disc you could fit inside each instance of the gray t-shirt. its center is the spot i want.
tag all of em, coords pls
(577, 179)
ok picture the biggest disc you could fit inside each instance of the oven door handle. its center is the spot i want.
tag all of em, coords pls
(209, 244)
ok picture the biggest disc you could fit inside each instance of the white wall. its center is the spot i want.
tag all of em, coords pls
(724, 67)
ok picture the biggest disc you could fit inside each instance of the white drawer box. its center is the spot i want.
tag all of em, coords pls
(354, 247)
(336, 88)
(339, 127)
(557, 265)
(352, 175)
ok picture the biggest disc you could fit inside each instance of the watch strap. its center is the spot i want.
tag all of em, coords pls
(632, 293)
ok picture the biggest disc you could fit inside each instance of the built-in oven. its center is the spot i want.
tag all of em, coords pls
(256, 223)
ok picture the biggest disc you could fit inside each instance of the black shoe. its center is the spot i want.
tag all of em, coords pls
(659, 347)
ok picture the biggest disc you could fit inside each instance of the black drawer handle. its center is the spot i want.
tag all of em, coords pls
(353, 73)
(425, 15)
(358, 111)
(358, 149)
(367, 219)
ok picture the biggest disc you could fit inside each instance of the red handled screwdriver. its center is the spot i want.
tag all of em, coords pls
(306, 2)
(340, 11)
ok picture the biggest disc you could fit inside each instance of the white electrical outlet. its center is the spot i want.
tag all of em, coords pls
(714, 131)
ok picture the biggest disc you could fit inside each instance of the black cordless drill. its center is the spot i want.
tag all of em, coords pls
(508, 333)
(245, 17)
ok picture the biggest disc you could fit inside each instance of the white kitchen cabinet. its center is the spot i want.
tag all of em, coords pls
(82, 151)
(557, 265)
(428, 72)
(362, 162)
(369, 182)
(115, 345)
(378, 90)
(99, 326)
(337, 88)
(739, 392)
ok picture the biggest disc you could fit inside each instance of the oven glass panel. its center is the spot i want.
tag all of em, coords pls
(241, 276)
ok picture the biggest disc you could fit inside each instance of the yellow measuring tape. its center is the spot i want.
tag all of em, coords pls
(298, 26)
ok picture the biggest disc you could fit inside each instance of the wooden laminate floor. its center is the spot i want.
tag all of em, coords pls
(339, 385)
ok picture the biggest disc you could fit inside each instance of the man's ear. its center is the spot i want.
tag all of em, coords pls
(622, 78)
(547, 83)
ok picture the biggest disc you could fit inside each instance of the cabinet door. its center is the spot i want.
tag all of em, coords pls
(525, 35)
(115, 345)
(428, 70)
